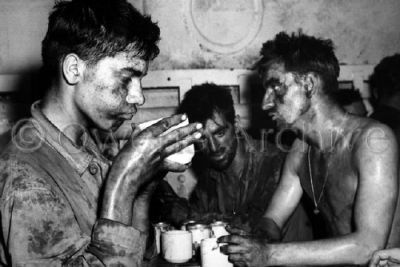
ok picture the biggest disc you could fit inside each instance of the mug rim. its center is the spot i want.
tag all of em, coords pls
(176, 232)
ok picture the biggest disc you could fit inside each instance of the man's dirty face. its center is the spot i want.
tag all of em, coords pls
(219, 142)
(111, 90)
(285, 98)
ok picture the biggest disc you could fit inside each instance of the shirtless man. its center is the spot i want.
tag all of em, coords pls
(346, 165)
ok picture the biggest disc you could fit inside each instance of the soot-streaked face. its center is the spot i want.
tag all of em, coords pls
(285, 98)
(219, 142)
(111, 90)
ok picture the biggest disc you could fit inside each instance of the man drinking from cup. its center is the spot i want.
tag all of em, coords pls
(62, 202)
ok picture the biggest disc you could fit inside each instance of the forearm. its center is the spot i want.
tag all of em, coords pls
(350, 249)
(122, 187)
(118, 199)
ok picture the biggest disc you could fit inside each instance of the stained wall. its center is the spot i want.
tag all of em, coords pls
(222, 33)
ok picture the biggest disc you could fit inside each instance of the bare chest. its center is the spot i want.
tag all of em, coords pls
(330, 182)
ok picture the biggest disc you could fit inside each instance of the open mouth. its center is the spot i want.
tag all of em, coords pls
(218, 156)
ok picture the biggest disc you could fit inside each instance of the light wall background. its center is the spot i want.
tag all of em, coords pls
(222, 33)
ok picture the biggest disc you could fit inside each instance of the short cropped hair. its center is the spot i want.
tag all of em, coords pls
(94, 29)
(385, 80)
(203, 100)
(301, 54)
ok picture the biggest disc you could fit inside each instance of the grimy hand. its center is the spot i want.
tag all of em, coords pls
(139, 160)
(143, 155)
(234, 228)
(386, 257)
(244, 250)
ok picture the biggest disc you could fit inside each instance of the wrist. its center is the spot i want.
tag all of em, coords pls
(118, 200)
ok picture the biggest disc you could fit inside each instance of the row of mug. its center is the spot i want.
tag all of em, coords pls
(175, 246)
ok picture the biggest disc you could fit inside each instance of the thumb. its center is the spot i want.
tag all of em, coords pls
(172, 166)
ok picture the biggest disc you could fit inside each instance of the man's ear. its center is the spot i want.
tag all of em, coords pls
(311, 83)
(72, 69)
(237, 123)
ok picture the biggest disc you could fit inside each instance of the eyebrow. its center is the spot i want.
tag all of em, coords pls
(271, 82)
(134, 72)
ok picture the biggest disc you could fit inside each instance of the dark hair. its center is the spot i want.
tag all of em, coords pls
(385, 79)
(347, 96)
(94, 29)
(201, 101)
(302, 54)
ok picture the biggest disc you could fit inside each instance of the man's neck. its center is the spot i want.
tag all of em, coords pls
(323, 125)
(60, 111)
(238, 161)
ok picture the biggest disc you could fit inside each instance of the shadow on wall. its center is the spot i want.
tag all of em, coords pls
(17, 93)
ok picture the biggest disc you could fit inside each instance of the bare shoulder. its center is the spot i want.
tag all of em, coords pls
(371, 136)
(374, 149)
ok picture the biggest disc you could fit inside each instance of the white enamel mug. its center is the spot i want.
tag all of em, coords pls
(176, 246)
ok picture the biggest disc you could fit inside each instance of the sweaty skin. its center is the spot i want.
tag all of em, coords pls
(357, 156)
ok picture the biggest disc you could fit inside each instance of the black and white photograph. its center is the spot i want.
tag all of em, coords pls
(199, 133)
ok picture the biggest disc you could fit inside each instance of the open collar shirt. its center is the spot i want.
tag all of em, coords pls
(50, 190)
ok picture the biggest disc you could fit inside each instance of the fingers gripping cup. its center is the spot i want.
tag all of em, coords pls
(176, 246)
(211, 256)
(185, 155)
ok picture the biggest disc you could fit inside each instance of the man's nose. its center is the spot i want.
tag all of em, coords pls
(268, 99)
(213, 144)
(135, 93)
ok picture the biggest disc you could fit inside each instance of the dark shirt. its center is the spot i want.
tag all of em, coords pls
(49, 198)
(245, 196)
